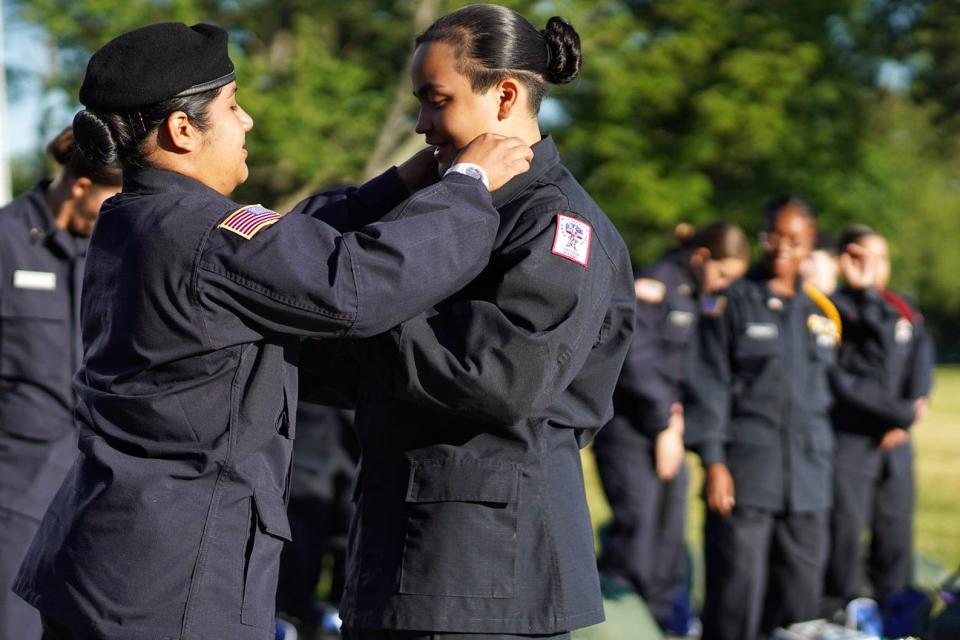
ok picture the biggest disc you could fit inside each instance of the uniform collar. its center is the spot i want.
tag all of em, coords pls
(149, 181)
(681, 259)
(545, 157)
(42, 227)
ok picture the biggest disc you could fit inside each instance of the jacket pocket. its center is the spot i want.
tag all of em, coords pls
(461, 535)
(269, 528)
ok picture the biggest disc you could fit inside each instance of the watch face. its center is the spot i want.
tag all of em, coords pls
(473, 172)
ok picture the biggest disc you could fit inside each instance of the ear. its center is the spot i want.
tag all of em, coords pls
(701, 255)
(181, 133)
(511, 95)
(80, 187)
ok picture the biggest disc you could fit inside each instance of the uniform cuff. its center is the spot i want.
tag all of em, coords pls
(711, 453)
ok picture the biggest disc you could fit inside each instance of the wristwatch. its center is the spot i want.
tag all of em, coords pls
(472, 170)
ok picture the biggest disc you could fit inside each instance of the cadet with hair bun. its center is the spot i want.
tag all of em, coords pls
(43, 247)
(640, 452)
(171, 522)
(471, 519)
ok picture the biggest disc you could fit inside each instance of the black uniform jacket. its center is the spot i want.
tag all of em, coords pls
(171, 522)
(652, 376)
(758, 397)
(41, 268)
(886, 362)
(472, 515)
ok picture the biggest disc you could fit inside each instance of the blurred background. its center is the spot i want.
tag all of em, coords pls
(687, 110)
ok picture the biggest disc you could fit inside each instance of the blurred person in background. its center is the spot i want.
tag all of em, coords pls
(756, 403)
(640, 452)
(822, 268)
(882, 382)
(325, 456)
(43, 247)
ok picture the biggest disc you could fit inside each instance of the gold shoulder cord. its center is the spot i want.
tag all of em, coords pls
(825, 305)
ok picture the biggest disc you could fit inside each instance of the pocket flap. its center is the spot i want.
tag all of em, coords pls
(272, 514)
(463, 480)
(748, 347)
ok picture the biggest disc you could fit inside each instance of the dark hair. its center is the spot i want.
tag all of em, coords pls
(493, 43)
(106, 137)
(75, 165)
(855, 233)
(722, 239)
(826, 242)
(788, 201)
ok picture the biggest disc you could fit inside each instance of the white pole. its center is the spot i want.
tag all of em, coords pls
(5, 188)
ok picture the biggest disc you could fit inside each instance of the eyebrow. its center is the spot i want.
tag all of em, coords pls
(425, 88)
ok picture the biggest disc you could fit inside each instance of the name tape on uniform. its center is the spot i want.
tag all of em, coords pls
(649, 290)
(247, 221)
(680, 318)
(37, 280)
(762, 330)
(572, 240)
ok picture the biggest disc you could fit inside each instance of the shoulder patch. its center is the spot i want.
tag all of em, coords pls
(649, 290)
(713, 306)
(247, 221)
(572, 240)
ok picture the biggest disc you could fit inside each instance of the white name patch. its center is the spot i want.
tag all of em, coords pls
(680, 318)
(38, 280)
(572, 240)
(762, 330)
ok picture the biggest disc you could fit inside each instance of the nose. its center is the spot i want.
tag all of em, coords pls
(246, 120)
(423, 123)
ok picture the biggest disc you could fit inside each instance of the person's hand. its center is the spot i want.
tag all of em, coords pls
(669, 450)
(720, 495)
(859, 267)
(420, 170)
(894, 438)
(500, 157)
(921, 407)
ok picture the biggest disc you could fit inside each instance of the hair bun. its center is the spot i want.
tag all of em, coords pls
(93, 138)
(684, 233)
(563, 51)
(62, 147)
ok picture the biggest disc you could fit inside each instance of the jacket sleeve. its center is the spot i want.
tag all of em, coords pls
(866, 395)
(299, 276)
(512, 350)
(643, 393)
(353, 208)
(922, 363)
(708, 387)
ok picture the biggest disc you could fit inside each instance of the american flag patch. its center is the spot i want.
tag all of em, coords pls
(247, 221)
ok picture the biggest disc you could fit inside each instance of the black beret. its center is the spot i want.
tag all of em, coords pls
(155, 63)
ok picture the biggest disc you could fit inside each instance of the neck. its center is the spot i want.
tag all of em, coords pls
(785, 286)
(57, 196)
(527, 130)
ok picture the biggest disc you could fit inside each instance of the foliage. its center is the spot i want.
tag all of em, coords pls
(687, 110)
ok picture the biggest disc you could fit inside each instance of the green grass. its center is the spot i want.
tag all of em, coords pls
(937, 442)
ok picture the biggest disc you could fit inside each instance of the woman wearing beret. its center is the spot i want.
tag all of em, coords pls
(170, 523)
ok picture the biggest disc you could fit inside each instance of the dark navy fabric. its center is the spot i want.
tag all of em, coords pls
(171, 522)
(471, 512)
(644, 544)
(763, 570)
(885, 364)
(759, 398)
(41, 267)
